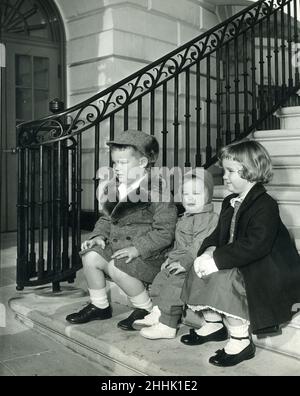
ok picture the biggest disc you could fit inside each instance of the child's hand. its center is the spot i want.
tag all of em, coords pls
(131, 252)
(175, 268)
(204, 265)
(93, 242)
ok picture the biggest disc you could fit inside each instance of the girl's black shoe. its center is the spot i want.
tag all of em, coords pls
(222, 359)
(195, 339)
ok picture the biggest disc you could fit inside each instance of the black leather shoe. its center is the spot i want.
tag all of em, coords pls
(222, 359)
(195, 339)
(126, 324)
(89, 313)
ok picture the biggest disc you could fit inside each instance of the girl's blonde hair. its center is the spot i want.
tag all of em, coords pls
(256, 161)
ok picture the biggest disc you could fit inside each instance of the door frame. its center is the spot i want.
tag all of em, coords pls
(7, 39)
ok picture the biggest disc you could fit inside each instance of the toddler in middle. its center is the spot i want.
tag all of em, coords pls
(197, 222)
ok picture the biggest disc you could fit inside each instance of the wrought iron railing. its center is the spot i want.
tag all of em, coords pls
(217, 88)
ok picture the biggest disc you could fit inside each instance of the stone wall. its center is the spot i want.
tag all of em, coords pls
(110, 39)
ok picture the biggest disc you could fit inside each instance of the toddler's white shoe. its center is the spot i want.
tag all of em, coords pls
(158, 331)
(149, 320)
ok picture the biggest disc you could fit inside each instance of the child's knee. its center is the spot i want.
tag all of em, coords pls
(91, 260)
(115, 273)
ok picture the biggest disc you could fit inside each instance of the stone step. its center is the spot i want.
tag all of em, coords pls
(280, 142)
(277, 134)
(127, 353)
(287, 342)
(286, 175)
(286, 160)
(289, 117)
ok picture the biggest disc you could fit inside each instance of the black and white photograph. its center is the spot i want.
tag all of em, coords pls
(149, 191)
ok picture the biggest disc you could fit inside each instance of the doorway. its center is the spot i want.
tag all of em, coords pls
(31, 78)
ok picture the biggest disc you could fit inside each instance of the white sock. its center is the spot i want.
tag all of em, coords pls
(142, 301)
(99, 298)
(209, 328)
(236, 346)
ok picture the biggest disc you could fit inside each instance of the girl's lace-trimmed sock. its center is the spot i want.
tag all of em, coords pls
(213, 323)
(241, 338)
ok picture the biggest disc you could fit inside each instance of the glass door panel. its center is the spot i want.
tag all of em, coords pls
(41, 73)
(23, 104)
(32, 81)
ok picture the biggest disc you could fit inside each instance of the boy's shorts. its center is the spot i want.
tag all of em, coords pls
(143, 270)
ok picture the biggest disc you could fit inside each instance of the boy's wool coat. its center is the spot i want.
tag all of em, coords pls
(140, 222)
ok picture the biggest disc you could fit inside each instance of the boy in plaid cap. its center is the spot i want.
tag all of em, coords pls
(130, 240)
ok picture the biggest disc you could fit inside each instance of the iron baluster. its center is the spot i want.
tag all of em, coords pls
(262, 98)
(21, 243)
(65, 207)
(296, 43)
(140, 114)
(27, 203)
(269, 68)
(32, 209)
(41, 261)
(276, 59)
(152, 113)
(253, 78)
(126, 115)
(96, 167)
(218, 99)
(290, 55)
(50, 209)
(245, 80)
(208, 111)
(187, 116)
(176, 121)
(164, 124)
(227, 90)
(111, 134)
(198, 109)
(237, 127)
(283, 58)
(78, 192)
(58, 214)
(75, 248)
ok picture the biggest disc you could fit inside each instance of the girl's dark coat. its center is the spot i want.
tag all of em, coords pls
(264, 253)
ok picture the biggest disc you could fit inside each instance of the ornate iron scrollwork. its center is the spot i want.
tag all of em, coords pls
(120, 95)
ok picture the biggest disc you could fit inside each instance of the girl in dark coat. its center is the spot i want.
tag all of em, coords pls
(248, 270)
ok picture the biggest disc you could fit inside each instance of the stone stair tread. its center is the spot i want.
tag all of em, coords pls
(128, 352)
(277, 134)
(289, 110)
(285, 160)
